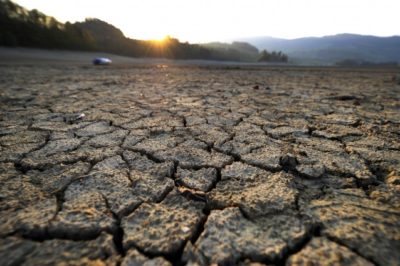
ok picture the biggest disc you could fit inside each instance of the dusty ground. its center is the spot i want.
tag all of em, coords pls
(173, 165)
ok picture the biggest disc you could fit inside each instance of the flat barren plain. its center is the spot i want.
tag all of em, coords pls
(160, 165)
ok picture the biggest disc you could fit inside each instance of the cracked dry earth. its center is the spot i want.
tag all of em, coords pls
(198, 166)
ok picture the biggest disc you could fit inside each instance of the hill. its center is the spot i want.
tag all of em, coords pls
(332, 49)
(31, 28)
(241, 51)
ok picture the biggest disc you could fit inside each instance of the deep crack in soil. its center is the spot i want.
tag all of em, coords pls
(132, 165)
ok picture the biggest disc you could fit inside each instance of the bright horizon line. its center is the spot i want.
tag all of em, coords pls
(205, 21)
(236, 39)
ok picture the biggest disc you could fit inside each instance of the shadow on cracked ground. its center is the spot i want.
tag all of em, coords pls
(175, 165)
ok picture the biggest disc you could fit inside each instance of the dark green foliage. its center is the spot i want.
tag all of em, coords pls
(20, 27)
(272, 57)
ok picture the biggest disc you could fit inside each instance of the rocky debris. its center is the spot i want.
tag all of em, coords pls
(177, 165)
(228, 237)
(134, 258)
(162, 228)
(344, 97)
(203, 179)
(351, 219)
(74, 118)
(256, 191)
(15, 251)
(321, 250)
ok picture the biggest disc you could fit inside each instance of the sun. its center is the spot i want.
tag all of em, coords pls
(161, 40)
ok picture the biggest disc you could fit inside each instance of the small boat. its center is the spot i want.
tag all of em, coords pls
(102, 61)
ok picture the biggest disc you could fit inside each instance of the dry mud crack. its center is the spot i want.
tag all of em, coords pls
(199, 166)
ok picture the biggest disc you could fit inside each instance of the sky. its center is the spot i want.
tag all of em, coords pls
(227, 20)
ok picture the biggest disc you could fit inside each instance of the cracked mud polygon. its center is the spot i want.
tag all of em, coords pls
(199, 165)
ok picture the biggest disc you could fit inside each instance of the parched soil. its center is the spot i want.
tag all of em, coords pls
(161, 165)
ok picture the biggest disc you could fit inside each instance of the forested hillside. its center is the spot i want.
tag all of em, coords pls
(31, 28)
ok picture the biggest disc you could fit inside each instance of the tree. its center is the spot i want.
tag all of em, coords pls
(265, 56)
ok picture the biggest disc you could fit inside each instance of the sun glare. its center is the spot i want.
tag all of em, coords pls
(162, 40)
(205, 21)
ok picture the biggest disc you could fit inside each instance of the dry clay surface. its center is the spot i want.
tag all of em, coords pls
(172, 166)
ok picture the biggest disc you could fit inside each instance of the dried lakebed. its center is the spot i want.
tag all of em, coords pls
(174, 165)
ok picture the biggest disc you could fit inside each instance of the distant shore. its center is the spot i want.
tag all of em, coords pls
(29, 56)
(22, 55)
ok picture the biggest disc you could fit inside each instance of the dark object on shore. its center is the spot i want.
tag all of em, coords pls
(256, 87)
(70, 119)
(102, 61)
(344, 98)
(396, 79)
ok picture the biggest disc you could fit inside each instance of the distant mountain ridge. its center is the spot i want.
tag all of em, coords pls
(334, 48)
(31, 28)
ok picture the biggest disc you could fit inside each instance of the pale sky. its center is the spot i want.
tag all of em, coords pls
(221, 20)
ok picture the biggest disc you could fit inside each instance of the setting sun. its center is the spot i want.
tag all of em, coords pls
(204, 21)
(161, 41)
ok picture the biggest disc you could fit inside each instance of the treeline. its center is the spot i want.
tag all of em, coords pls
(20, 27)
(277, 57)
(111, 39)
